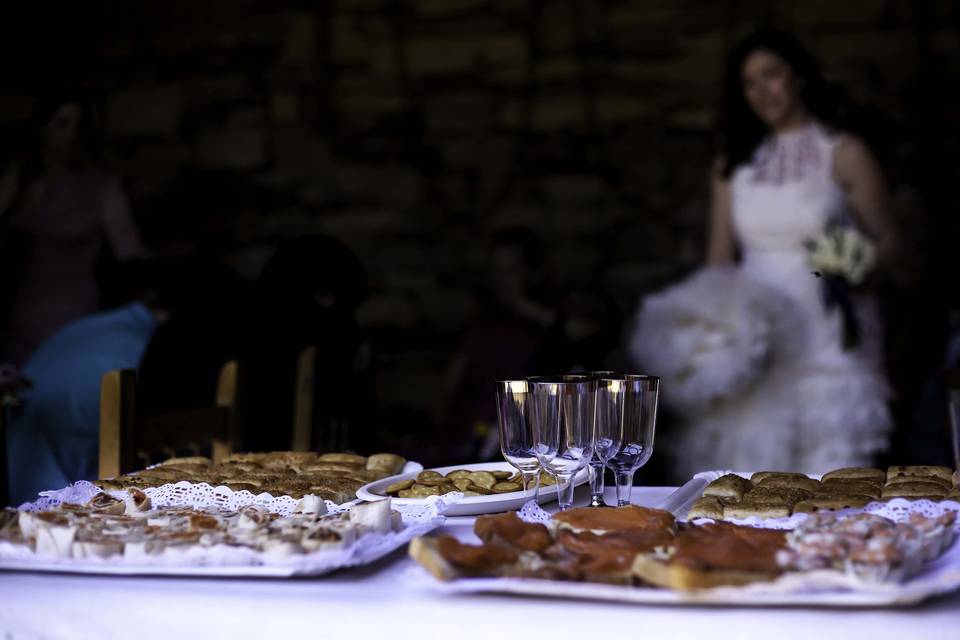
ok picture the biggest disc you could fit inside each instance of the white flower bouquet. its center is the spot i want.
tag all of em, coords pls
(843, 257)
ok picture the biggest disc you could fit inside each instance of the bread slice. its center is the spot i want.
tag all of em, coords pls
(855, 473)
(728, 486)
(671, 575)
(920, 470)
(706, 507)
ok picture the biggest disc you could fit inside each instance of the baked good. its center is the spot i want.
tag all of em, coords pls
(760, 476)
(921, 471)
(833, 502)
(715, 554)
(947, 485)
(918, 489)
(389, 463)
(706, 507)
(847, 487)
(331, 476)
(750, 509)
(789, 482)
(855, 473)
(603, 521)
(728, 486)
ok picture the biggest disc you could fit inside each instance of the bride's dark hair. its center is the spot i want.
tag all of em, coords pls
(742, 129)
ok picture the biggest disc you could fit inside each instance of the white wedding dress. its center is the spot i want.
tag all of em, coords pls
(751, 360)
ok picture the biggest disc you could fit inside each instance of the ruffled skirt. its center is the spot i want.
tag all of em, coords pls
(753, 380)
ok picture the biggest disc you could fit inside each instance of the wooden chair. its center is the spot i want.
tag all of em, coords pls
(303, 399)
(308, 435)
(127, 440)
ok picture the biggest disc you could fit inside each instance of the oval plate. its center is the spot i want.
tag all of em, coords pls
(473, 505)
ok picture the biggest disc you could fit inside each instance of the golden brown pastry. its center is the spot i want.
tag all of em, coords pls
(855, 473)
(728, 486)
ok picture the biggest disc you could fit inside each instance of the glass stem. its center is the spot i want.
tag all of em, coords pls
(624, 487)
(565, 491)
(530, 480)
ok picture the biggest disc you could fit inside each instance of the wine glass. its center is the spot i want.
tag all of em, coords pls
(638, 418)
(514, 405)
(609, 430)
(563, 425)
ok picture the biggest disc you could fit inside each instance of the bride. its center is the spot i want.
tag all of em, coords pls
(752, 359)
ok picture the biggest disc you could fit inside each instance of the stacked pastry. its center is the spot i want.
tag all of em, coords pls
(331, 476)
(773, 494)
(646, 547)
(135, 531)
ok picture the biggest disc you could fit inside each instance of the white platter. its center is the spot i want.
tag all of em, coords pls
(817, 589)
(473, 505)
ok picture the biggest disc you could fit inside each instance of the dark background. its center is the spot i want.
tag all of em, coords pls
(410, 130)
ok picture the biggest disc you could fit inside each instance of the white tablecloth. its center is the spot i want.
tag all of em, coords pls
(392, 600)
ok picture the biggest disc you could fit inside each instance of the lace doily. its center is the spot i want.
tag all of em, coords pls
(180, 494)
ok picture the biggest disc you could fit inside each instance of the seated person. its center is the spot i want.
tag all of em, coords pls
(53, 436)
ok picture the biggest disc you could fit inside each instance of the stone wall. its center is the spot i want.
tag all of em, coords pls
(411, 129)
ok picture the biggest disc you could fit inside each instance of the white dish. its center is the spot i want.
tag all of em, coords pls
(473, 505)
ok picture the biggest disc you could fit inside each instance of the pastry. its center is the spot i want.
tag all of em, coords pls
(791, 482)
(856, 487)
(918, 489)
(855, 473)
(706, 507)
(760, 476)
(921, 471)
(830, 503)
(748, 509)
(728, 486)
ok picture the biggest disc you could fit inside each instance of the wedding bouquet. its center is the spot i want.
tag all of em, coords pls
(843, 257)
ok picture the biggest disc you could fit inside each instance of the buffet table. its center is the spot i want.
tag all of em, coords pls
(395, 599)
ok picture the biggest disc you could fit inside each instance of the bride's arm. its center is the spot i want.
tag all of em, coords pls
(720, 244)
(860, 176)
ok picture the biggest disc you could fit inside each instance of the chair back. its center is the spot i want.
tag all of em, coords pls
(129, 441)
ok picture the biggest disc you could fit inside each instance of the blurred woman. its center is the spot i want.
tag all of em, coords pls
(770, 368)
(58, 209)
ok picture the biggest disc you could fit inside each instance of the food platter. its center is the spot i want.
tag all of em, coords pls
(468, 506)
(230, 559)
(822, 587)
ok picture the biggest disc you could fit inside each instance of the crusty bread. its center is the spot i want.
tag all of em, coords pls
(662, 573)
(706, 507)
(855, 473)
(920, 470)
(728, 486)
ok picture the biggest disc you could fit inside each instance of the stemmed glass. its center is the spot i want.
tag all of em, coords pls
(563, 426)
(514, 409)
(609, 430)
(638, 417)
